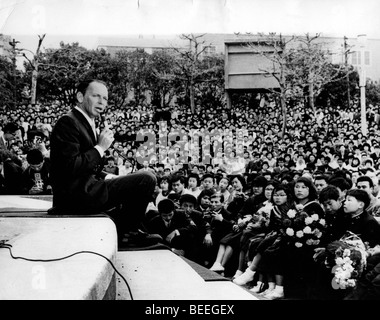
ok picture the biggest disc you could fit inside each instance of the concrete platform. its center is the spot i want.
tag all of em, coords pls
(81, 276)
(162, 275)
(24, 205)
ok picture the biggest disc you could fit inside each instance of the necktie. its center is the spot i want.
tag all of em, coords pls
(94, 129)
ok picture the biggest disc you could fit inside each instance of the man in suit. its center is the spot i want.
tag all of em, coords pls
(79, 184)
(11, 133)
(175, 227)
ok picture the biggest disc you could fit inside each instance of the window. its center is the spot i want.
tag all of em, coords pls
(366, 58)
(357, 58)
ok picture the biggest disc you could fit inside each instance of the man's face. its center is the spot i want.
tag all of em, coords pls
(94, 101)
(192, 182)
(208, 183)
(177, 186)
(257, 190)
(37, 167)
(188, 206)
(331, 206)
(352, 205)
(167, 216)
(215, 203)
(205, 201)
(223, 184)
(320, 184)
(364, 185)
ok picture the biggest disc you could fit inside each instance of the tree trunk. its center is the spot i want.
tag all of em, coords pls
(311, 97)
(284, 112)
(192, 97)
(33, 91)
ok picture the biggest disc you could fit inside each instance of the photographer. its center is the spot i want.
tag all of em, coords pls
(36, 176)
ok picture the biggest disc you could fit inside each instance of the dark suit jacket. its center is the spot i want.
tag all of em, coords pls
(13, 177)
(180, 221)
(77, 181)
(218, 229)
(366, 227)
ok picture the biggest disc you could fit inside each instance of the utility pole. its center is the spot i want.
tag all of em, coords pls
(346, 52)
(362, 41)
(13, 45)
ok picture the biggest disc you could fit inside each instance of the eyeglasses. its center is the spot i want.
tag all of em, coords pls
(279, 195)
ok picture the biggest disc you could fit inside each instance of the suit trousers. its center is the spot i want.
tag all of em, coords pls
(128, 198)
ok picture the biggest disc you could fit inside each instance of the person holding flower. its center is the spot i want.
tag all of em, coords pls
(268, 255)
(231, 241)
(255, 230)
(303, 231)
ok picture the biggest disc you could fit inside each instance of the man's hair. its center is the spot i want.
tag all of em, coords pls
(218, 195)
(164, 178)
(34, 156)
(208, 175)
(259, 181)
(205, 192)
(83, 85)
(165, 206)
(341, 183)
(178, 177)
(321, 177)
(188, 198)
(10, 127)
(329, 193)
(360, 195)
(195, 176)
(365, 178)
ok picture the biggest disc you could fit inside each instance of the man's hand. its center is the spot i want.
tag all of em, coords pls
(318, 253)
(106, 137)
(207, 241)
(218, 216)
(171, 235)
(35, 190)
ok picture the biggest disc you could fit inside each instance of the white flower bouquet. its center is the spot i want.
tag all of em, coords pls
(303, 229)
(350, 257)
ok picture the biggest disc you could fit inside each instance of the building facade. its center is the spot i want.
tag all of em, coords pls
(353, 51)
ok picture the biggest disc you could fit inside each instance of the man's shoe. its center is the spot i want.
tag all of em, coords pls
(140, 239)
(179, 252)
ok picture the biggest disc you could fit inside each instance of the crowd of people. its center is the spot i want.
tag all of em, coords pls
(230, 186)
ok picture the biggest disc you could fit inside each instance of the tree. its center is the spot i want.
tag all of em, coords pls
(335, 93)
(6, 81)
(34, 64)
(161, 81)
(138, 72)
(60, 70)
(210, 91)
(301, 67)
(281, 68)
(314, 69)
(188, 65)
(373, 93)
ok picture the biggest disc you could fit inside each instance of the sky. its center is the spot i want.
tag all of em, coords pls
(83, 20)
